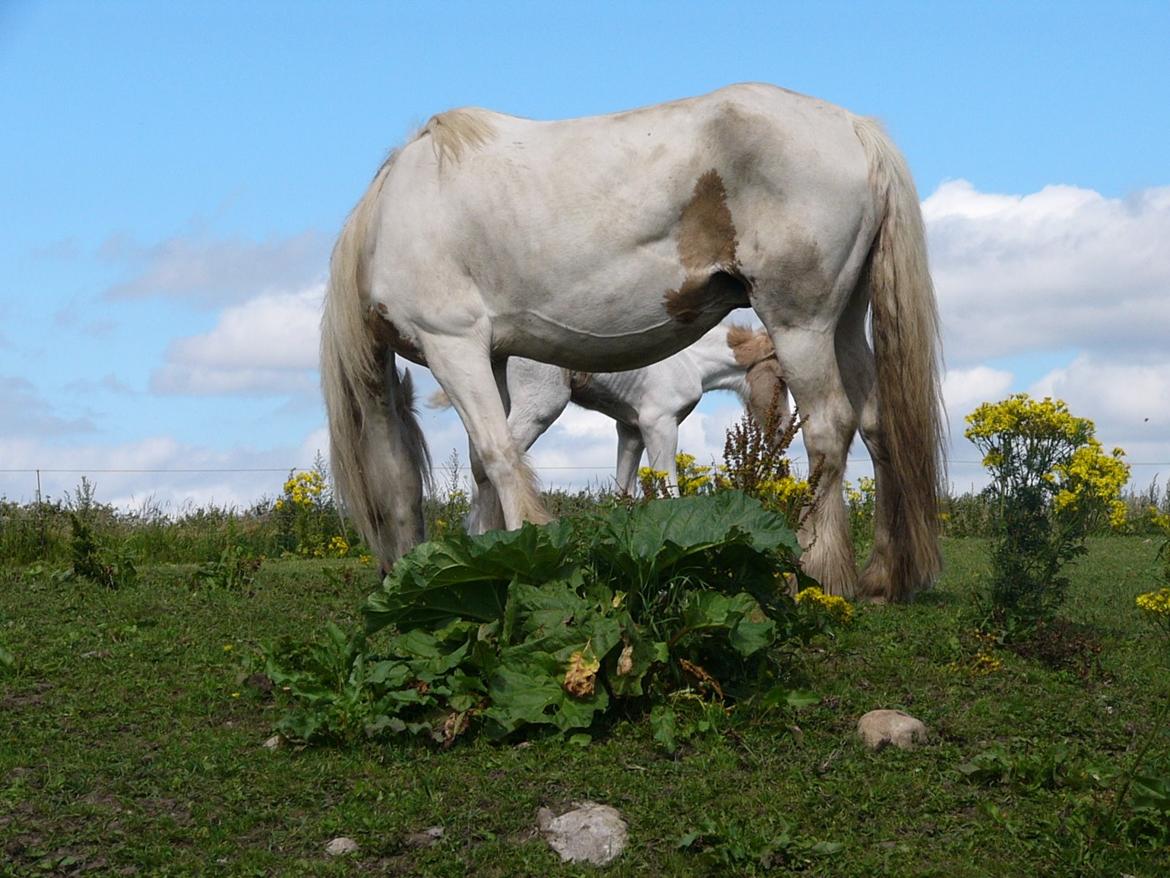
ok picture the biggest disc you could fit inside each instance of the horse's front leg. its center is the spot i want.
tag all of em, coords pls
(463, 368)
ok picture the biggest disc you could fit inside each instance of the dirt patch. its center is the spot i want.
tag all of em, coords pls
(1062, 646)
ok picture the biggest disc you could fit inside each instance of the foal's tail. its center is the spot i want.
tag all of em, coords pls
(907, 349)
(379, 458)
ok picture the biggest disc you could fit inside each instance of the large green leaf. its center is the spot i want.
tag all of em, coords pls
(748, 628)
(659, 538)
(531, 693)
(460, 577)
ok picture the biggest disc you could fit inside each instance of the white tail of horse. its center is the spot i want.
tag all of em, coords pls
(910, 428)
(378, 454)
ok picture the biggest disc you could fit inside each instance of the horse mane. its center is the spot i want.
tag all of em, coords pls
(749, 346)
(455, 131)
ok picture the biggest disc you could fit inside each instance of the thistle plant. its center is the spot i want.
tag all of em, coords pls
(755, 461)
(1051, 484)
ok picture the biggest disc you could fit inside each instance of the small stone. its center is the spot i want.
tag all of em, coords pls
(881, 728)
(590, 833)
(429, 836)
(273, 743)
(341, 846)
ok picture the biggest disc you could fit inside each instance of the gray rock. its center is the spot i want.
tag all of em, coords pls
(590, 833)
(341, 846)
(429, 836)
(882, 728)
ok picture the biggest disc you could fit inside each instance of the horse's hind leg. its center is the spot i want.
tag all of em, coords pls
(858, 369)
(808, 360)
(463, 369)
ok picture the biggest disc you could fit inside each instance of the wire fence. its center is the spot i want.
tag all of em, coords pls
(596, 472)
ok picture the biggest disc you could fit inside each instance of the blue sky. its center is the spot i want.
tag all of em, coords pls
(172, 171)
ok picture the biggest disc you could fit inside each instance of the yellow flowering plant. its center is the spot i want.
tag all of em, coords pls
(1051, 483)
(835, 608)
(306, 516)
(694, 479)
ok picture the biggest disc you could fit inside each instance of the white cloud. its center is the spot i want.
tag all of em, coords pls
(24, 413)
(1060, 268)
(964, 389)
(267, 345)
(157, 468)
(213, 271)
(1126, 396)
(1129, 403)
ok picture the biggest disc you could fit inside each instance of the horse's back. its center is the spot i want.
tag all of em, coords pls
(584, 235)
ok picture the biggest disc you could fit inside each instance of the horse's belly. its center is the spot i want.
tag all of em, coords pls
(615, 334)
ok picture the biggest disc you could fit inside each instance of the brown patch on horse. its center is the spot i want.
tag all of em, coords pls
(389, 336)
(706, 233)
(706, 249)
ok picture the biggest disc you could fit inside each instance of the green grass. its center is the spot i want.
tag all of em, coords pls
(129, 740)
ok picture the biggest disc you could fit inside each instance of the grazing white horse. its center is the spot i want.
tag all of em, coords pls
(607, 243)
(648, 404)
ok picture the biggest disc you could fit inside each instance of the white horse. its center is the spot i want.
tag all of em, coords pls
(610, 242)
(648, 404)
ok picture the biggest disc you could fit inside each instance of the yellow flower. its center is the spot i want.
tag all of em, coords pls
(837, 608)
(1155, 603)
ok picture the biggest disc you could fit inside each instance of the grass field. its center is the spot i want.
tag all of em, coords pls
(130, 743)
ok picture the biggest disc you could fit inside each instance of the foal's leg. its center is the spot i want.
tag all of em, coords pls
(629, 455)
(660, 434)
(808, 360)
(539, 392)
(486, 513)
(535, 395)
(463, 369)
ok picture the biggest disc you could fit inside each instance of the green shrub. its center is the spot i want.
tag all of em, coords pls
(1051, 483)
(553, 625)
(104, 561)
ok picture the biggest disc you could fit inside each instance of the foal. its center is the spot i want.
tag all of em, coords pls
(648, 404)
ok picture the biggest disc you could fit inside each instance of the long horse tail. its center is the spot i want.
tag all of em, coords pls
(907, 349)
(379, 458)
